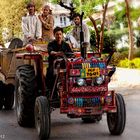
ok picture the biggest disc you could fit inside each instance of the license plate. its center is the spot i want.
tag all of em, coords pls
(90, 72)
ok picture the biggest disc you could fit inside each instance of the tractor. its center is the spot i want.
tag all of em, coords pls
(81, 86)
(80, 90)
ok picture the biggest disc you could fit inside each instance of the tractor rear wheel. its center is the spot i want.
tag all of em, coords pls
(42, 117)
(25, 95)
(9, 96)
(116, 121)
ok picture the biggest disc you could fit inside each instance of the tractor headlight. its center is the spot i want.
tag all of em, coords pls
(80, 82)
(99, 80)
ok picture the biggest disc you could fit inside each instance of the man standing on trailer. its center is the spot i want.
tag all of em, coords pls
(77, 29)
(31, 25)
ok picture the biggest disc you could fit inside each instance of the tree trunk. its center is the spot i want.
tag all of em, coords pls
(96, 31)
(102, 28)
(130, 55)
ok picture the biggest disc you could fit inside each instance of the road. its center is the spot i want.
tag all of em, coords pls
(63, 128)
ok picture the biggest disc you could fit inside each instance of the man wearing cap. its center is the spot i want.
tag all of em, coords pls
(31, 25)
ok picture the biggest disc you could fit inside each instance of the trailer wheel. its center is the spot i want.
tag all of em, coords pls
(42, 117)
(2, 87)
(1, 102)
(25, 95)
(116, 121)
(9, 96)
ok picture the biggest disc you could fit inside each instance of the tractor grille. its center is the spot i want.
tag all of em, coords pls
(86, 102)
(100, 65)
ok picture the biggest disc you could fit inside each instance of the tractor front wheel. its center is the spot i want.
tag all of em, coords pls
(42, 117)
(116, 121)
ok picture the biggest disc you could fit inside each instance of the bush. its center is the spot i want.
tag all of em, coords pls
(123, 49)
(135, 63)
(109, 42)
(124, 63)
(137, 53)
(117, 57)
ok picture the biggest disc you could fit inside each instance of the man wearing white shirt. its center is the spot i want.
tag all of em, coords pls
(31, 25)
(77, 29)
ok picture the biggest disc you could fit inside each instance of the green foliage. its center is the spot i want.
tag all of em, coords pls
(109, 42)
(137, 53)
(135, 12)
(67, 29)
(135, 63)
(123, 50)
(92, 39)
(120, 14)
(118, 56)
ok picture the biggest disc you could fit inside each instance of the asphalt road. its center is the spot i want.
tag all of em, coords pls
(125, 82)
(63, 128)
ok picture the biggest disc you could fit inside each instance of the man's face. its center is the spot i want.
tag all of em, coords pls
(59, 36)
(46, 11)
(31, 9)
(77, 20)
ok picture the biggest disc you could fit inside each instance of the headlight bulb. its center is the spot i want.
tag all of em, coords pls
(99, 80)
(80, 82)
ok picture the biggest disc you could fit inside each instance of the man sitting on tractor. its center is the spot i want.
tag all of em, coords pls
(57, 48)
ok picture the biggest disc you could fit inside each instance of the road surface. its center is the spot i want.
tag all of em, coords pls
(63, 128)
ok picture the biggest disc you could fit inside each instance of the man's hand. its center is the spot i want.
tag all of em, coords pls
(30, 39)
(41, 19)
(57, 53)
(40, 39)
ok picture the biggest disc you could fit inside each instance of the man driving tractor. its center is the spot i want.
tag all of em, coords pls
(56, 48)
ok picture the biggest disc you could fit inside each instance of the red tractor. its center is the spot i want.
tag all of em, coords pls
(81, 86)
(80, 90)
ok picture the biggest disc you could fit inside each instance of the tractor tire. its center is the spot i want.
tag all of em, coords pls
(116, 121)
(2, 88)
(1, 102)
(25, 94)
(9, 96)
(42, 117)
(92, 119)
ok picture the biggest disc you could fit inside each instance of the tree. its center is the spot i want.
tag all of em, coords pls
(130, 56)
